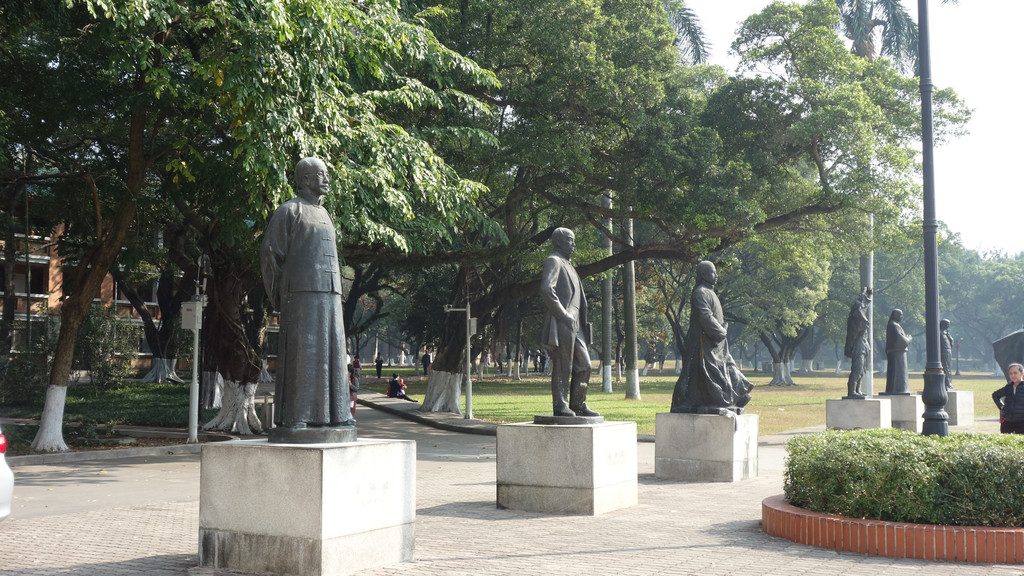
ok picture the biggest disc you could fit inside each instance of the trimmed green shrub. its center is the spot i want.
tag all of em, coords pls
(897, 475)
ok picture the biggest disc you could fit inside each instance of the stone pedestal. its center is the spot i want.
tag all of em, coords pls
(960, 407)
(907, 412)
(847, 414)
(705, 447)
(584, 470)
(311, 509)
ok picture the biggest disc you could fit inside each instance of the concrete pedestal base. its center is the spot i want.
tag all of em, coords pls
(846, 414)
(311, 509)
(907, 412)
(584, 470)
(705, 447)
(960, 407)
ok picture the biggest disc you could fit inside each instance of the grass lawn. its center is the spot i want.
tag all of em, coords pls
(499, 399)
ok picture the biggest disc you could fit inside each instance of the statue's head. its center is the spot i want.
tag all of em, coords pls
(896, 315)
(944, 324)
(707, 272)
(311, 175)
(564, 241)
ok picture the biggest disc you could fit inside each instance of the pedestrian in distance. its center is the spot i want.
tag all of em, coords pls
(1010, 401)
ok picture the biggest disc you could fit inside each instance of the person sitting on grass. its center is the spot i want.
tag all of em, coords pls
(396, 388)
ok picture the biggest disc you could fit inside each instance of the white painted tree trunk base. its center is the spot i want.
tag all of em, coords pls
(632, 385)
(238, 413)
(163, 371)
(807, 365)
(214, 389)
(50, 437)
(781, 375)
(443, 392)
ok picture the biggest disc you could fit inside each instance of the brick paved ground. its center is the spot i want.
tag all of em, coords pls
(677, 528)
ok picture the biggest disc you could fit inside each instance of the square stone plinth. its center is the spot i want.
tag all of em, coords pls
(907, 412)
(584, 470)
(960, 407)
(847, 414)
(311, 509)
(705, 447)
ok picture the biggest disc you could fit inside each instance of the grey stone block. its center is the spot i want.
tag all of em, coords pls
(847, 414)
(317, 509)
(907, 412)
(960, 407)
(583, 470)
(705, 447)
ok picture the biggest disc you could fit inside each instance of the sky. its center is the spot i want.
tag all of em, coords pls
(974, 47)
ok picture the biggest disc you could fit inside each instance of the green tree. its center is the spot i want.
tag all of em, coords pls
(774, 288)
(207, 105)
(697, 160)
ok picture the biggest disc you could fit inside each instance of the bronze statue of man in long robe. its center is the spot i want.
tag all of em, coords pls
(302, 276)
(711, 382)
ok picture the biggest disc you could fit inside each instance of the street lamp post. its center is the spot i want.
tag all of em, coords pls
(936, 421)
(470, 330)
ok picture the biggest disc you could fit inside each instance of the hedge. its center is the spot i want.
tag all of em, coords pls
(964, 479)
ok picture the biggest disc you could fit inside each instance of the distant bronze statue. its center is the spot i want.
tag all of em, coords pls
(897, 378)
(711, 382)
(301, 273)
(946, 345)
(858, 343)
(565, 333)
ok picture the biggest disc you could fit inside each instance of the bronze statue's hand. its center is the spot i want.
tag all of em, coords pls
(571, 323)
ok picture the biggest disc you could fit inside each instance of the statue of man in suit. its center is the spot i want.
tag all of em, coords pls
(566, 333)
(302, 276)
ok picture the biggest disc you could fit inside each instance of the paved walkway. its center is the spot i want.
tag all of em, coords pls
(139, 515)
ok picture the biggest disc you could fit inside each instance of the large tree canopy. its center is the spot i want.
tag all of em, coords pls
(698, 160)
(207, 106)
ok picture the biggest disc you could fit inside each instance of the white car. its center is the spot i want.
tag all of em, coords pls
(6, 480)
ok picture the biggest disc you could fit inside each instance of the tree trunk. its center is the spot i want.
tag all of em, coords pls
(444, 389)
(781, 375)
(238, 414)
(162, 370)
(213, 389)
(807, 365)
(629, 312)
(50, 437)
(444, 381)
(92, 268)
(607, 295)
(10, 301)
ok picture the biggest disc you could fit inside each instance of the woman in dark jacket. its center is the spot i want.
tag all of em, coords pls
(1010, 400)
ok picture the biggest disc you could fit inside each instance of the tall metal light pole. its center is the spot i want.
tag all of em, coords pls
(936, 421)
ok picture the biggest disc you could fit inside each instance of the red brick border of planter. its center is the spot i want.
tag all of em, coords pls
(892, 539)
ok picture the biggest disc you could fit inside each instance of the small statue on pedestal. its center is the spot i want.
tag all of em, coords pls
(897, 379)
(858, 343)
(711, 382)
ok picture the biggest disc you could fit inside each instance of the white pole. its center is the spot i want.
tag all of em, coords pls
(469, 351)
(193, 392)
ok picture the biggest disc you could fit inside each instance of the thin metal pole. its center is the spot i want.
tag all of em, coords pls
(469, 351)
(936, 421)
